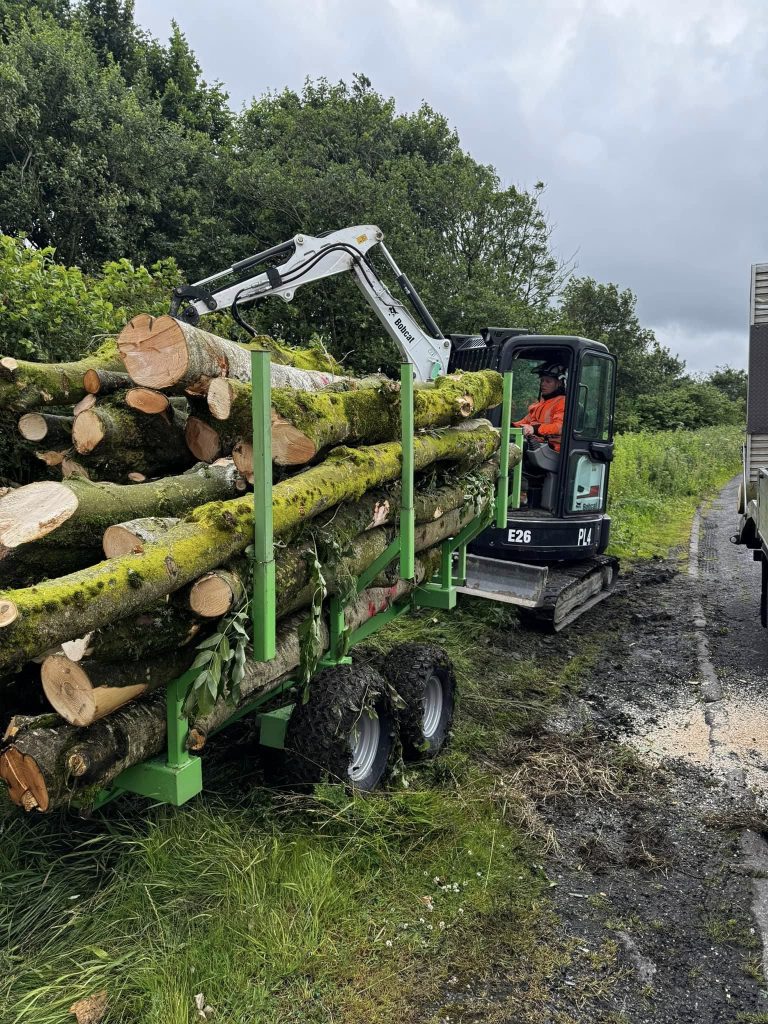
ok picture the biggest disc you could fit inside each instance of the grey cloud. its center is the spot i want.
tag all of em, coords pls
(646, 121)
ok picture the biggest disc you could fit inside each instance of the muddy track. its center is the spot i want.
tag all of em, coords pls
(653, 785)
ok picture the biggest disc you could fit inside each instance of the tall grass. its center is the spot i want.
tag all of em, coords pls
(657, 481)
(323, 908)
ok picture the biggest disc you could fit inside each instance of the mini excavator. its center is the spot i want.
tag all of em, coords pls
(550, 558)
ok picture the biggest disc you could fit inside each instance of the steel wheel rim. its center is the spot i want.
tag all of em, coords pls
(433, 706)
(364, 743)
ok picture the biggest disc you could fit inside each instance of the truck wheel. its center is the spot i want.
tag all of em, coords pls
(346, 731)
(423, 677)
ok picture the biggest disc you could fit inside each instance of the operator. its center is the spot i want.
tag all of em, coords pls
(544, 421)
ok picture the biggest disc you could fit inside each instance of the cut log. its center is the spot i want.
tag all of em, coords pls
(38, 426)
(167, 626)
(25, 386)
(204, 441)
(85, 403)
(78, 509)
(136, 478)
(50, 458)
(216, 593)
(104, 382)
(125, 440)
(161, 352)
(133, 536)
(46, 763)
(147, 400)
(65, 608)
(86, 691)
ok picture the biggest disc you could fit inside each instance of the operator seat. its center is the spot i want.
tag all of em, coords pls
(540, 466)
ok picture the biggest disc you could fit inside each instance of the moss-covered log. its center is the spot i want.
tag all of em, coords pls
(25, 385)
(46, 763)
(77, 512)
(61, 609)
(161, 352)
(305, 424)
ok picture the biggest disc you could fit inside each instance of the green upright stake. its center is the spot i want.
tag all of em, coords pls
(263, 605)
(407, 521)
(502, 488)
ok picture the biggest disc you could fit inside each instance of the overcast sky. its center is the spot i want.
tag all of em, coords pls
(647, 121)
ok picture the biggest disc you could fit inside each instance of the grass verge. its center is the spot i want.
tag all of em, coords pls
(658, 481)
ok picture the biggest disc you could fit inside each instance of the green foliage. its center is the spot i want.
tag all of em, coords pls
(108, 142)
(50, 312)
(658, 479)
(604, 313)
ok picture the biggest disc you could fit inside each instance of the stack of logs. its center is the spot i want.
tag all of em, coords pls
(117, 565)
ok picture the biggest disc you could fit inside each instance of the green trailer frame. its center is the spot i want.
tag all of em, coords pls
(177, 776)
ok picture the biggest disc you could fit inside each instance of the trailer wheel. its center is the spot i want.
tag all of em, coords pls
(423, 677)
(346, 731)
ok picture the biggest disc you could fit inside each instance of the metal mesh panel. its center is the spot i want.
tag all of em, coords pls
(757, 397)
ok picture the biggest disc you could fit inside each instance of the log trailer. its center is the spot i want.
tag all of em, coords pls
(338, 719)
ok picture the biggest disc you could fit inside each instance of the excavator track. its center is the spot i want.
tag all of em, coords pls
(572, 590)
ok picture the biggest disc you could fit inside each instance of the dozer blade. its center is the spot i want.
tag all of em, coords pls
(549, 597)
(510, 582)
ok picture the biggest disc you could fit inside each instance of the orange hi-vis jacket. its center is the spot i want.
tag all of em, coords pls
(546, 418)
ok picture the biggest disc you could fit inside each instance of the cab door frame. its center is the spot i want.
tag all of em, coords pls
(596, 449)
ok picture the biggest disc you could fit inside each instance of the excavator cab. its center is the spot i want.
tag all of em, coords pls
(554, 543)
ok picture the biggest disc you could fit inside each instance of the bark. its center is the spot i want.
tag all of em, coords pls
(39, 426)
(46, 762)
(123, 440)
(134, 535)
(161, 352)
(61, 609)
(67, 513)
(166, 626)
(25, 386)
(103, 382)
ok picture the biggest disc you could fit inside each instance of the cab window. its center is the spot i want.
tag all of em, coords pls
(594, 394)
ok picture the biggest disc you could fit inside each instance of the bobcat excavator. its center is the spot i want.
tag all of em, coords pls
(549, 559)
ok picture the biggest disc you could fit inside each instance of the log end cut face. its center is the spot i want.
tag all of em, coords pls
(68, 689)
(29, 513)
(154, 350)
(33, 426)
(25, 782)
(88, 431)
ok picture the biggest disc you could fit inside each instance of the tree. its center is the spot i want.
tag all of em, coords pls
(605, 313)
(336, 155)
(731, 381)
(90, 163)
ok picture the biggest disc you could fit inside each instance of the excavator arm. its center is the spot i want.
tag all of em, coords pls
(306, 258)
